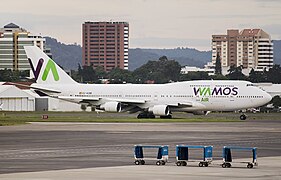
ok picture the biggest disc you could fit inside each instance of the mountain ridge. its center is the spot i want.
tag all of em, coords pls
(70, 55)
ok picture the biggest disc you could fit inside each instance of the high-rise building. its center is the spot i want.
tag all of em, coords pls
(105, 44)
(12, 40)
(251, 48)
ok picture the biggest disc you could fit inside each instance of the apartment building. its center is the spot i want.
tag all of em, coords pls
(12, 40)
(251, 48)
(105, 44)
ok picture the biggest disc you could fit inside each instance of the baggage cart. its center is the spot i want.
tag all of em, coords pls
(161, 156)
(227, 157)
(182, 155)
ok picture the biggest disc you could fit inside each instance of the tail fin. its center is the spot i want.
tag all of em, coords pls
(44, 69)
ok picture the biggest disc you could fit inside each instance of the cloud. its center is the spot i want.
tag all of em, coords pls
(167, 22)
(274, 30)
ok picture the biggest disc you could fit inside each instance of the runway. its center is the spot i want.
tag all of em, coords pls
(41, 147)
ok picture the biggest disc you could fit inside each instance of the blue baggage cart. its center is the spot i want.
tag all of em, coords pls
(182, 155)
(161, 157)
(227, 157)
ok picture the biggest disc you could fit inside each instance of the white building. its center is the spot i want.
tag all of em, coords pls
(12, 40)
(250, 48)
(187, 69)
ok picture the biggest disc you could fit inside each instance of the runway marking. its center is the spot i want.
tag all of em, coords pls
(119, 132)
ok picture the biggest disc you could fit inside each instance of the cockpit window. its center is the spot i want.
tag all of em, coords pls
(250, 85)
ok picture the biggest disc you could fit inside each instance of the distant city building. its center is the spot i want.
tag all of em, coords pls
(12, 40)
(105, 44)
(251, 48)
(188, 69)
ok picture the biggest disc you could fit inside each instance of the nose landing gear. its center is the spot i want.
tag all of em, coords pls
(243, 117)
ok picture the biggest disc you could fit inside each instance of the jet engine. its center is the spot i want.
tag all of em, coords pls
(111, 107)
(160, 110)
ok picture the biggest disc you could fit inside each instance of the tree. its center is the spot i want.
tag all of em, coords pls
(12, 76)
(257, 76)
(274, 74)
(276, 101)
(161, 71)
(101, 73)
(88, 74)
(218, 64)
(235, 73)
(119, 76)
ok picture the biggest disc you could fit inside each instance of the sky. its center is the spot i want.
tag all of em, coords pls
(153, 23)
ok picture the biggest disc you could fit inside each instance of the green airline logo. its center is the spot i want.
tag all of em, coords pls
(50, 66)
(205, 91)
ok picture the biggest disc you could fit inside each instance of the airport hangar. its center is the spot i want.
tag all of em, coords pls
(13, 98)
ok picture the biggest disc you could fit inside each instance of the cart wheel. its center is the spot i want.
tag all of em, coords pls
(200, 164)
(158, 163)
(184, 163)
(137, 162)
(178, 163)
(228, 165)
(250, 165)
(142, 162)
(223, 165)
(163, 162)
(206, 164)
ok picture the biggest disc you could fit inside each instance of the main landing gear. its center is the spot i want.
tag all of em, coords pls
(166, 117)
(146, 115)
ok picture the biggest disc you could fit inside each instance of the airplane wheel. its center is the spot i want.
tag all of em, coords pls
(142, 115)
(137, 162)
(142, 162)
(206, 164)
(200, 164)
(151, 116)
(166, 117)
(184, 163)
(223, 165)
(178, 163)
(163, 162)
(139, 116)
(243, 117)
(158, 163)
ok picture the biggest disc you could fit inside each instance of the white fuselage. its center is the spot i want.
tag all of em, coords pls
(189, 96)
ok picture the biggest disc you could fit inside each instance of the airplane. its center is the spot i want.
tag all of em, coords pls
(197, 97)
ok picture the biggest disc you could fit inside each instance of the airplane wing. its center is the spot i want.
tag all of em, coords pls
(128, 105)
(181, 104)
(92, 100)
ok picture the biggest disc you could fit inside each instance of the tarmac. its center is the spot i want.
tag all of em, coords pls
(269, 168)
(105, 150)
